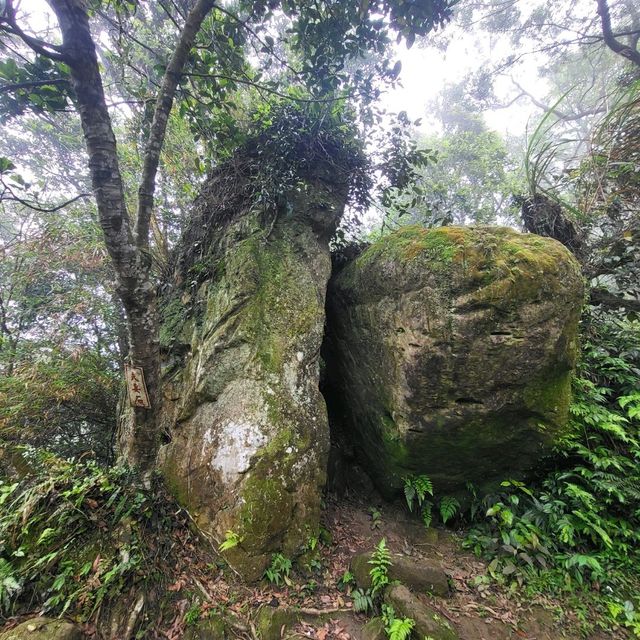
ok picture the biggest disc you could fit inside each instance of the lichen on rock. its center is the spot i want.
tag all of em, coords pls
(246, 424)
(450, 353)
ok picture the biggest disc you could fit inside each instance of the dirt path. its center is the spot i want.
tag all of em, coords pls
(485, 613)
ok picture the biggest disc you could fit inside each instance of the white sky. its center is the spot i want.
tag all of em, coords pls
(426, 71)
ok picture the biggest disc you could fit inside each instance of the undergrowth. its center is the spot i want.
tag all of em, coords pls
(74, 536)
(577, 532)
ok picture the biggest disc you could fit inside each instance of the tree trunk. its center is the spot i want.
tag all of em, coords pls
(139, 433)
(132, 266)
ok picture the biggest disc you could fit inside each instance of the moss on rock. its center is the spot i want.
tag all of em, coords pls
(452, 350)
(246, 423)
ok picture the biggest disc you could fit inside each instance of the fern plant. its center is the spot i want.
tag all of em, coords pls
(279, 570)
(449, 506)
(416, 488)
(396, 628)
(379, 572)
(362, 600)
(231, 540)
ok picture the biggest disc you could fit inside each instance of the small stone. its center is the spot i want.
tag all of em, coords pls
(428, 622)
(211, 629)
(42, 628)
(270, 622)
(374, 630)
(419, 574)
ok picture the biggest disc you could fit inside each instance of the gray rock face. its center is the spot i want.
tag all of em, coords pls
(246, 422)
(450, 353)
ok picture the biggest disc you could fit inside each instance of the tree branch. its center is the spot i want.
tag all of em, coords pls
(610, 40)
(52, 51)
(611, 301)
(567, 117)
(29, 85)
(32, 205)
(164, 103)
(262, 87)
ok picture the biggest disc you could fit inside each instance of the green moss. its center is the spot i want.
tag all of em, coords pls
(174, 315)
(266, 504)
(408, 243)
(395, 447)
(213, 628)
(549, 395)
(283, 304)
(175, 482)
(271, 621)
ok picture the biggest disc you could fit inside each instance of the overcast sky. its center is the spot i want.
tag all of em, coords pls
(425, 71)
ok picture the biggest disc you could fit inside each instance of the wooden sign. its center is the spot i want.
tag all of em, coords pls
(138, 396)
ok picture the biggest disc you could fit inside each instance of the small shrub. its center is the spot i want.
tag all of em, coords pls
(279, 570)
(362, 600)
(61, 546)
(230, 541)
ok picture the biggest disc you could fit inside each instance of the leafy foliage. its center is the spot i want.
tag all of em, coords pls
(59, 351)
(42, 86)
(193, 614)
(231, 540)
(448, 508)
(73, 535)
(469, 177)
(590, 203)
(362, 600)
(416, 488)
(400, 628)
(346, 580)
(579, 529)
(396, 628)
(278, 571)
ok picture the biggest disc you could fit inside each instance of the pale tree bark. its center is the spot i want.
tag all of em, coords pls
(129, 251)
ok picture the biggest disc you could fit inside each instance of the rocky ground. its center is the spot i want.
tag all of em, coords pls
(441, 590)
(315, 606)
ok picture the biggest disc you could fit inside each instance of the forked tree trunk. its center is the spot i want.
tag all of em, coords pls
(130, 252)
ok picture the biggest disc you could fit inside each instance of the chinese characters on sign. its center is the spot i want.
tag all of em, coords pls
(138, 396)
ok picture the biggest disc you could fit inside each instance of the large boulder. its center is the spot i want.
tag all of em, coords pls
(246, 426)
(450, 353)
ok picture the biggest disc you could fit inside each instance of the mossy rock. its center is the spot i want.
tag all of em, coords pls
(422, 575)
(374, 630)
(44, 629)
(271, 621)
(428, 622)
(246, 424)
(450, 353)
(213, 628)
